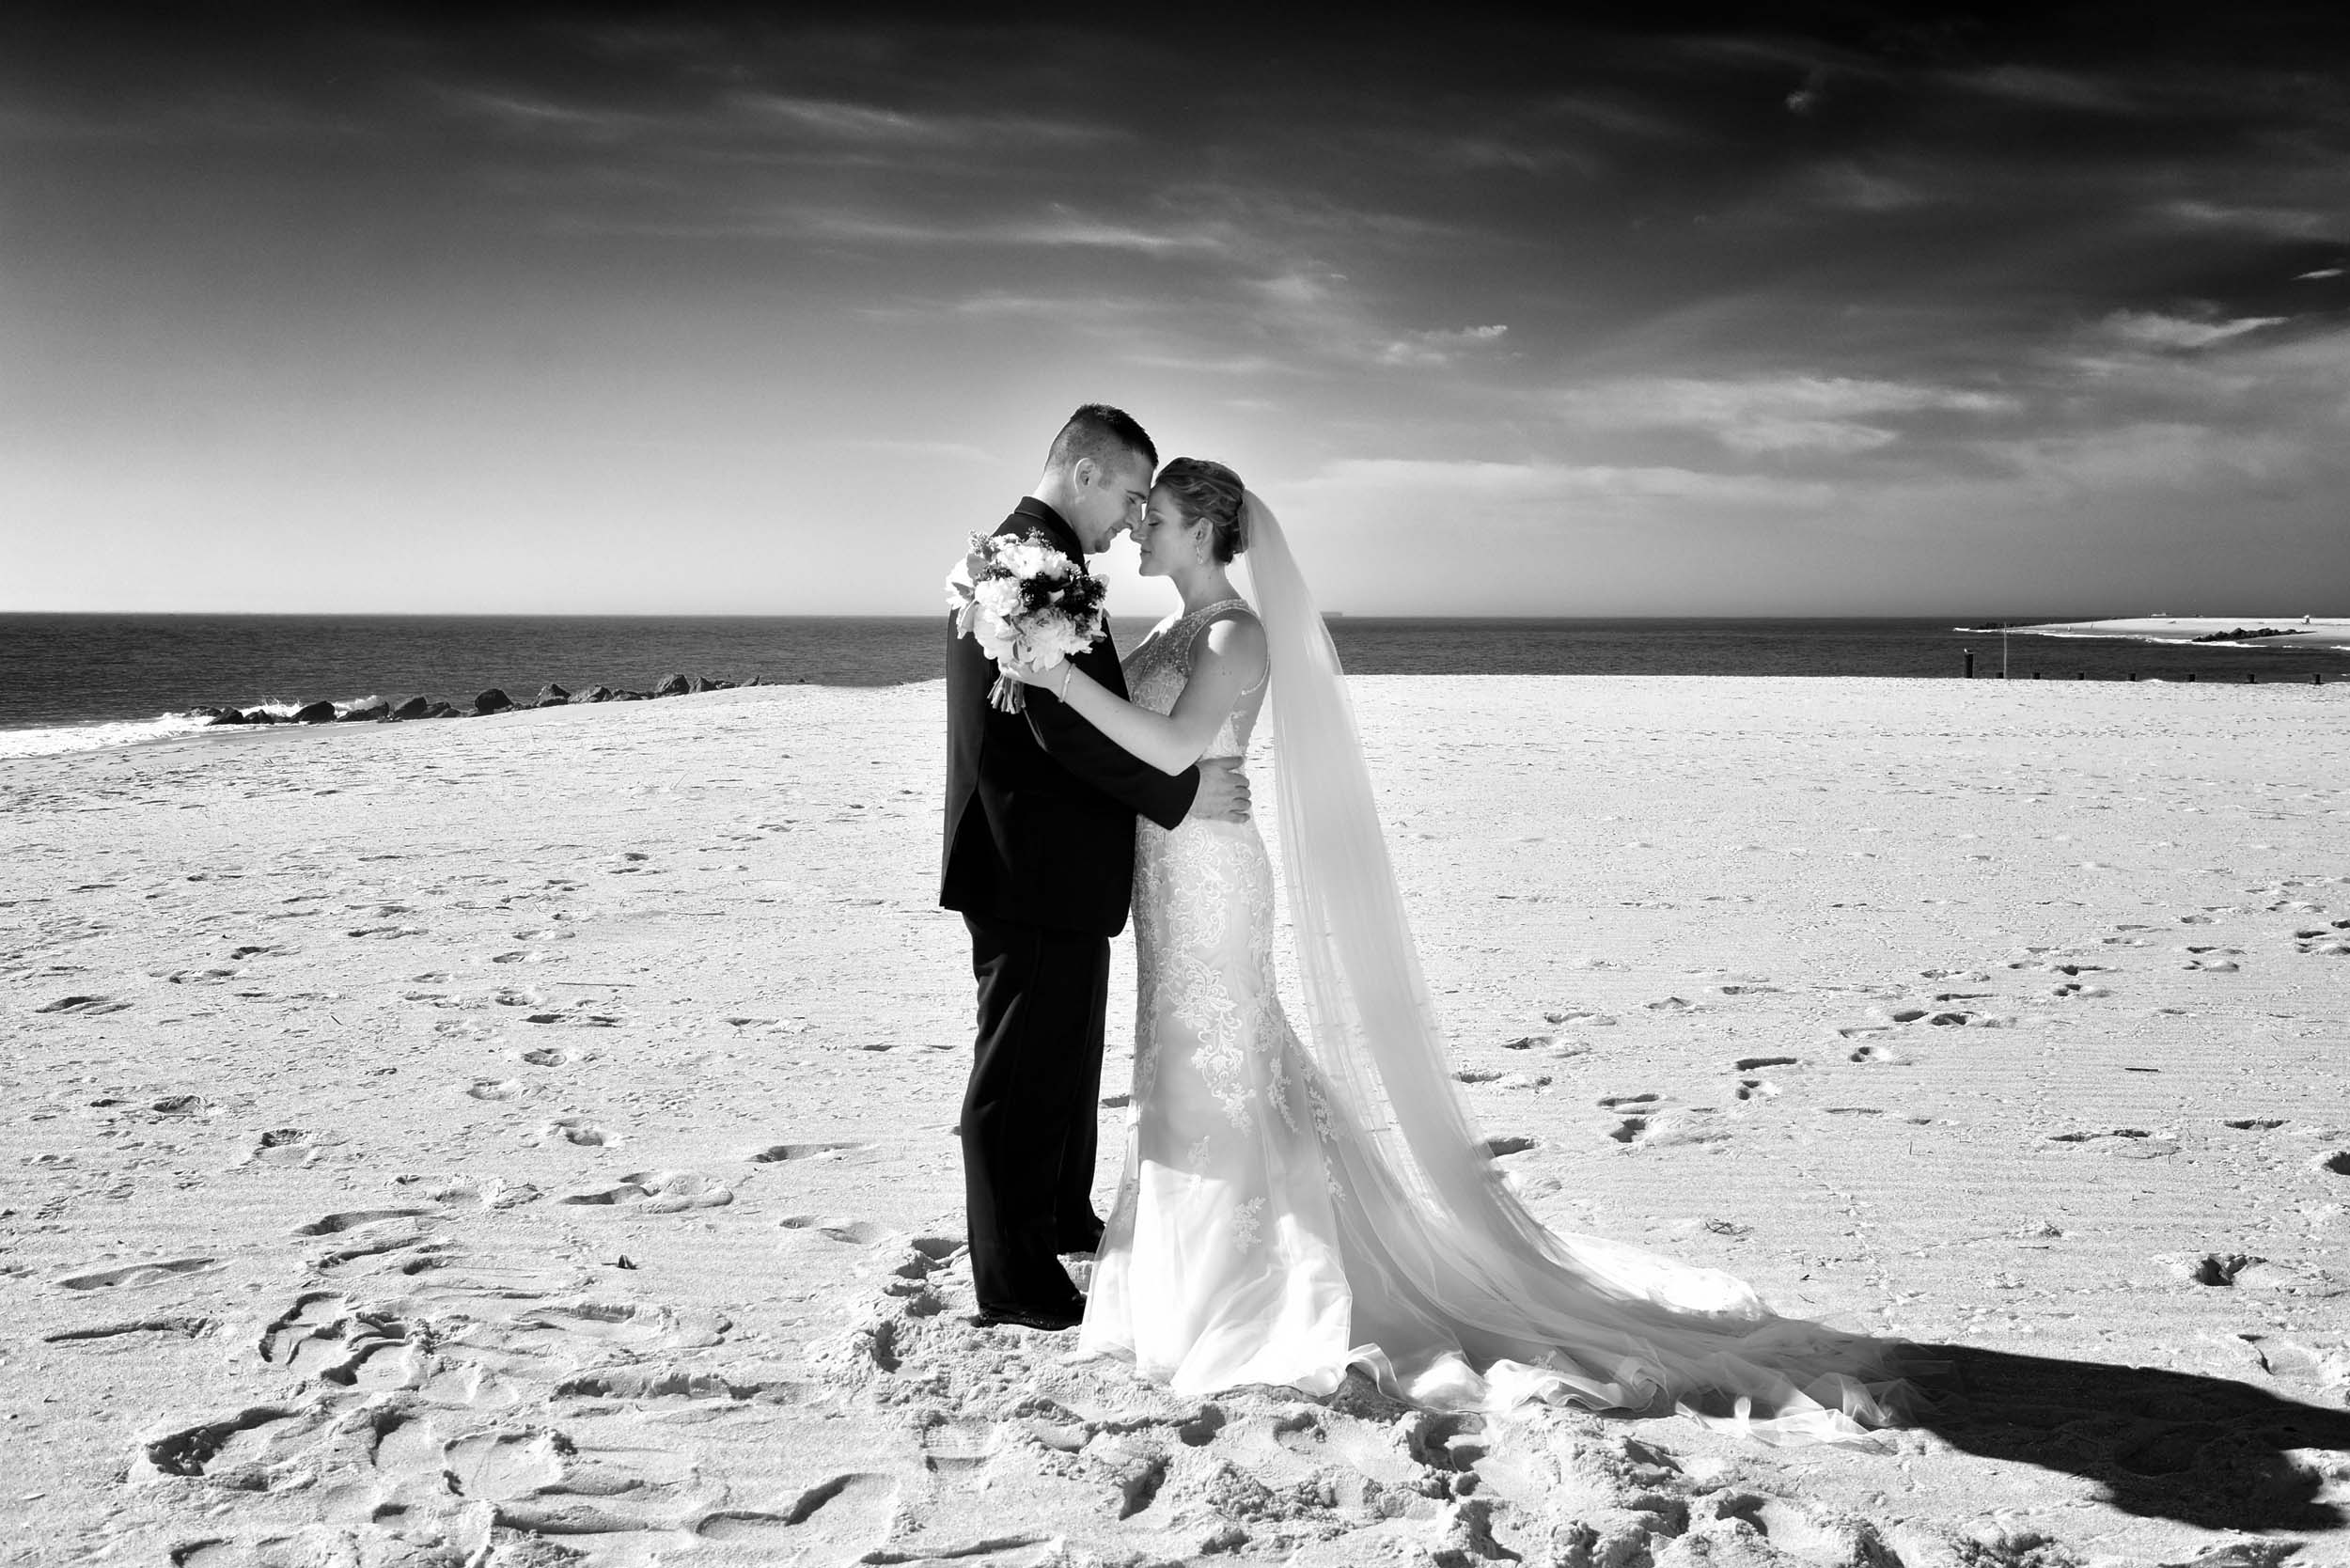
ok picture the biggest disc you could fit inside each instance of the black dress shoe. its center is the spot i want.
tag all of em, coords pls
(1049, 1322)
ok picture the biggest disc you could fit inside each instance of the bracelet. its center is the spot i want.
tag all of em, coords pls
(1066, 671)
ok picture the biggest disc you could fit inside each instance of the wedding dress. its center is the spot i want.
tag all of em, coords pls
(1294, 1206)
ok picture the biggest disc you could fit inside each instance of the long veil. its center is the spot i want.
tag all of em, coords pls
(1502, 1309)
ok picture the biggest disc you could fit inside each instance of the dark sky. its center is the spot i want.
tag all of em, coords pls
(1828, 310)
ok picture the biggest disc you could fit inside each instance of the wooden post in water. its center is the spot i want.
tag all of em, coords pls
(1970, 661)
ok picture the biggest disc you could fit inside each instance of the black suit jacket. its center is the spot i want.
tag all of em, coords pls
(1041, 806)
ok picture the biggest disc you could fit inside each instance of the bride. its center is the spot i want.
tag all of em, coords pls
(1292, 1208)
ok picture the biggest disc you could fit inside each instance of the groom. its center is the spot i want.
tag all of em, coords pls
(1040, 859)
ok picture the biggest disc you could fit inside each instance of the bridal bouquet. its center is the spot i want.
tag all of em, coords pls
(1026, 601)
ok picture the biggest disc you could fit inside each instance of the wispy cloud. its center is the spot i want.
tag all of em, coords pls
(1542, 481)
(1443, 347)
(876, 123)
(2155, 330)
(1833, 414)
(2152, 455)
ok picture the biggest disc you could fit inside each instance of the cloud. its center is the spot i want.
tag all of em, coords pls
(1438, 348)
(2150, 329)
(2291, 223)
(862, 123)
(1846, 186)
(2050, 89)
(1834, 415)
(1059, 227)
(1539, 482)
(2153, 455)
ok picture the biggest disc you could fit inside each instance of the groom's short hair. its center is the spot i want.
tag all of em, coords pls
(1098, 430)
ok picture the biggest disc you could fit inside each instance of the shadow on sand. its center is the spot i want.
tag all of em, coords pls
(2202, 1450)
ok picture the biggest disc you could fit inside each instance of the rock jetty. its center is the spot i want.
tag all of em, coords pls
(494, 701)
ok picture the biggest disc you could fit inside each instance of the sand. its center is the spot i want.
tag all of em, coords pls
(2305, 631)
(528, 1139)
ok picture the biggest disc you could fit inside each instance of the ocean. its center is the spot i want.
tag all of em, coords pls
(75, 681)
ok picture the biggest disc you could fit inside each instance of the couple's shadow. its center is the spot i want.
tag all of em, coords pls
(2207, 1451)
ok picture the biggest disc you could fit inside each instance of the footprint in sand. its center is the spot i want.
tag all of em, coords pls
(773, 1153)
(548, 1056)
(471, 1192)
(285, 1146)
(842, 1517)
(186, 1325)
(257, 1450)
(88, 1006)
(2129, 1143)
(1670, 1129)
(139, 1276)
(2213, 959)
(651, 1383)
(576, 1129)
(2330, 940)
(1878, 1055)
(839, 1228)
(658, 1192)
(336, 1224)
(373, 1240)
(494, 1089)
(1756, 1088)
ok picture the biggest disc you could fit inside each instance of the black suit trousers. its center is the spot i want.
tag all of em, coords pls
(1030, 1116)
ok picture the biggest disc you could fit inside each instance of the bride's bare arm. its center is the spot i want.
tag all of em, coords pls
(1227, 660)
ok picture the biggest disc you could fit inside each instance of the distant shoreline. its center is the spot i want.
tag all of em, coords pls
(2327, 632)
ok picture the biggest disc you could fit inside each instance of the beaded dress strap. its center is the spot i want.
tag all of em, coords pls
(1209, 609)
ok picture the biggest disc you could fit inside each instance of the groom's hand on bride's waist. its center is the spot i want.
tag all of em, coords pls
(1223, 791)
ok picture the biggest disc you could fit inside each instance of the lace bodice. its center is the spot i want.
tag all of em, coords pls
(1159, 668)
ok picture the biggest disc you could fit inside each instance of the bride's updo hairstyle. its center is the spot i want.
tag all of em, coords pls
(1209, 490)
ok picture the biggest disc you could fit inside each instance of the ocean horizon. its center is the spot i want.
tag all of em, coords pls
(78, 680)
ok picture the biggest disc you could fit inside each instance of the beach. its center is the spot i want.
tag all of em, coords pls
(530, 1139)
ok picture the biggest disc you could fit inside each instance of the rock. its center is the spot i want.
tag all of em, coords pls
(552, 694)
(631, 697)
(492, 701)
(314, 713)
(672, 685)
(752, 681)
(366, 711)
(414, 707)
(261, 716)
(717, 685)
(440, 710)
(221, 715)
(594, 694)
